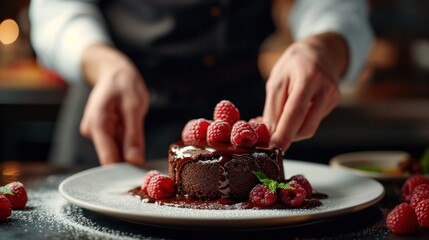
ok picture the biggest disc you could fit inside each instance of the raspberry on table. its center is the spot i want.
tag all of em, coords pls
(304, 183)
(161, 187)
(147, 179)
(16, 194)
(226, 111)
(421, 187)
(5, 209)
(262, 131)
(195, 129)
(293, 197)
(402, 219)
(411, 183)
(243, 135)
(219, 131)
(418, 197)
(262, 196)
(422, 213)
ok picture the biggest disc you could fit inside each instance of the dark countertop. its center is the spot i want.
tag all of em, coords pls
(49, 216)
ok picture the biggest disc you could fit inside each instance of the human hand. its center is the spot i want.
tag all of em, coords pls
(303, 88)
(114, 114)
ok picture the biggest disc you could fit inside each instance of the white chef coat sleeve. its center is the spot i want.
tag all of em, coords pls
(61, 30)
(348, 18)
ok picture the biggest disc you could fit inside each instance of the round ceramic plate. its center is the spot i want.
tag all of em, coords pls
(380, 165)
(105, 190)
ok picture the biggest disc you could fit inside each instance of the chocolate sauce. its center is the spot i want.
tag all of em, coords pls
(222, 203)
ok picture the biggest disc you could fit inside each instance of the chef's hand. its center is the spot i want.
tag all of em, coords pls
(303, 87)
(117, 105)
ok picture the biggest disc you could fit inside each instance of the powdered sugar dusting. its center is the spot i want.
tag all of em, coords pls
(49, 215)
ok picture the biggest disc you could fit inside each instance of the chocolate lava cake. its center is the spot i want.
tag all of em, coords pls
(209, 172)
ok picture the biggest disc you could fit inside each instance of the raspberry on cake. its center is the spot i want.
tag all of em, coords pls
(226, 111)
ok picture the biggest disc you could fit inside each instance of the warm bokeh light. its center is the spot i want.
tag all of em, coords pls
(10, 172)
(9, 31)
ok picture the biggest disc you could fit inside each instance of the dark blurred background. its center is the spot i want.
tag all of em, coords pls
(388, 108)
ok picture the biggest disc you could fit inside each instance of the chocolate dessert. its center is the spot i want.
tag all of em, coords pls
(212, 171)
(225, 163)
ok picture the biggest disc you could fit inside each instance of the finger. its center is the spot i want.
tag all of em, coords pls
(292, 117)
(320, 107)
(276, 95)
(133, 132)
(105, 145)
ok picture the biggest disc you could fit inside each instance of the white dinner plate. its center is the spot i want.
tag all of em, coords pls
(387, 160)
(104, 190)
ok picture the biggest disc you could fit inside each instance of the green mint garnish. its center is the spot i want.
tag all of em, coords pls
(272, 184)
(285, 186)
(260, 175)
(5, 190)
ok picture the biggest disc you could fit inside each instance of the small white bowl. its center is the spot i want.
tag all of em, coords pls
(386, 160)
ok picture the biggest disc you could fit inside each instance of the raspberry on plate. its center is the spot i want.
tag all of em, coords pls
(219, 131)
(402, 219)
(262, 131)
(293, 197)
(195, 129)
(411, 183)
(226, 111)
(147, 179)
(422, 213)
(5, 210)
(161, 187)
(418, 197)
(262, 196)
(16, 194)
(243, 135)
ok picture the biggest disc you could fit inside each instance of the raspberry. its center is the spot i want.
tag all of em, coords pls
(422, 213)
(243, 135)
(293, 197)
(149, 175)
(304, 183)
(195, 129)
(257, 119)
(16, 194)
(161, 187)
(421, 187)
(262, 196)
(219, 131)
(262, 131)
(402, 219)
(226, 111)
(418, 197)
(410, 184)
(5, 210)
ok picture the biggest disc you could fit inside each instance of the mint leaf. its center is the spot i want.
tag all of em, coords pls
(260, 175)
(272, 184)
(5, 190)
(285, 186)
